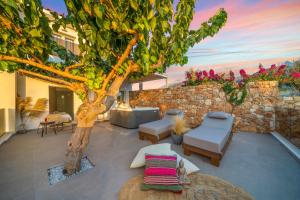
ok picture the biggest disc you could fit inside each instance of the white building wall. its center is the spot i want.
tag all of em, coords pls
(40, 89)
(7, 101)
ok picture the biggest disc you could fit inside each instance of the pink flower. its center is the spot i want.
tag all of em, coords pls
(273, 67)
(205, 73)
(281, 70)
(262, 70)
(232, 77)
(295, 75)
(279, 73)
(218, 77)
(244, 74)
(282, 67)
(188, 75)
(211, 73)
(198, 75)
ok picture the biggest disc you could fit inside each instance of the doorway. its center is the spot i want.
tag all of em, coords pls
(61, 100)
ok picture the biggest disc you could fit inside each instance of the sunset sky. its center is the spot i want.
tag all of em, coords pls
(257, 31)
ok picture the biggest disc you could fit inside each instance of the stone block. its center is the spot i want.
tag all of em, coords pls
(208, 102)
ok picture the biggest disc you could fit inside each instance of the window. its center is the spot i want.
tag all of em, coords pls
(69, 44)
(56, 38)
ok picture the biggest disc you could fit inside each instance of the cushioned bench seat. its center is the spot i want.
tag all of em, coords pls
(211, 138)
(160, 129)
(156, 127)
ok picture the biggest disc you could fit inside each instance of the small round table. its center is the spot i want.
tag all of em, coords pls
(202, 186)
(45, 127)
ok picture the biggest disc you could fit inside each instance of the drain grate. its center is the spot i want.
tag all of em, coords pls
(55, 174)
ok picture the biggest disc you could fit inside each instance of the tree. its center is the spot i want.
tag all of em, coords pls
(117, 39)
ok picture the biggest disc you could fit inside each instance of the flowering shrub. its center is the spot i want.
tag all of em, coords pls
(296, 79)
(197, 77)
(274, 73)
(235, 88)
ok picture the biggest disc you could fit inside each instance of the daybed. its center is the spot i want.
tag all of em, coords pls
(160, 129)
(211, 138)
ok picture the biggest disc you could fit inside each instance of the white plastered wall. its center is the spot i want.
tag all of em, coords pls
(40, 89)
(7, 101)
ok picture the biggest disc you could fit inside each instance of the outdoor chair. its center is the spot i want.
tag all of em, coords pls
(160, 129)
(211, 138)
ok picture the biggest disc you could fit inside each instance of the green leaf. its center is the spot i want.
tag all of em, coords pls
(5, 36)
(150, 15)
(153, 23)
(134, 4)
(35, 33)
(153, 59)
(106, 25)
(3, 66)
(99, 10)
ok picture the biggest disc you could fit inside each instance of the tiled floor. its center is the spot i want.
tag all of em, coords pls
(255, 162)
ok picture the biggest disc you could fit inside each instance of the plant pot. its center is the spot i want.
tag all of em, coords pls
(177, 139)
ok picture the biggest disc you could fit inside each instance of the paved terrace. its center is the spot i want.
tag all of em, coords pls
(255, 162)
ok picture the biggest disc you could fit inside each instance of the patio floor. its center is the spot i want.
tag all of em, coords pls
(255, 162)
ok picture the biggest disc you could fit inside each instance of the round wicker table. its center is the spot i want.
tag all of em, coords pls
(203, 187)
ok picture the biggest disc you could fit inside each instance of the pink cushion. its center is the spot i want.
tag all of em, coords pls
(160, 171)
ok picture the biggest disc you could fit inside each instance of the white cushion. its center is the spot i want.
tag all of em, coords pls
(139, 160)
(218, 115)
(173, 112)
(161, 149)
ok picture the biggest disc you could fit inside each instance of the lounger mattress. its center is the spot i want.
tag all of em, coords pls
(207, 138)
(156, 127)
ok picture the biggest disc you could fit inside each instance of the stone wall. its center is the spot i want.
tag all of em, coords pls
(257, 114)
(288, 119)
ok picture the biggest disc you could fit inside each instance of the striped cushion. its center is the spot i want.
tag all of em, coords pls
(166, 180)
(161, 161)
(161, 173)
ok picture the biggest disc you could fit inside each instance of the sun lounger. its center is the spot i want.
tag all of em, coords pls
(211, 138)
(160, 129)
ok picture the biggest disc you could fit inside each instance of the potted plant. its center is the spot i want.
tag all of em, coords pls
(179, 128)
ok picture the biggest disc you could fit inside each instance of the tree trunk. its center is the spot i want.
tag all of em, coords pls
(76, 146)
(86, 117)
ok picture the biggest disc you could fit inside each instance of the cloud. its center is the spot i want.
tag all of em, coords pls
(266, 29)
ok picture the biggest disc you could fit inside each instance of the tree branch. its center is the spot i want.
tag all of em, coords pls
(159, 62)
(42, 66)
(9, 25)
(67, 69)
(47, 78)
(112, 73)
(116, 84)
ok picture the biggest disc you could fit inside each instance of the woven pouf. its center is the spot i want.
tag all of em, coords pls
(203, 187)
